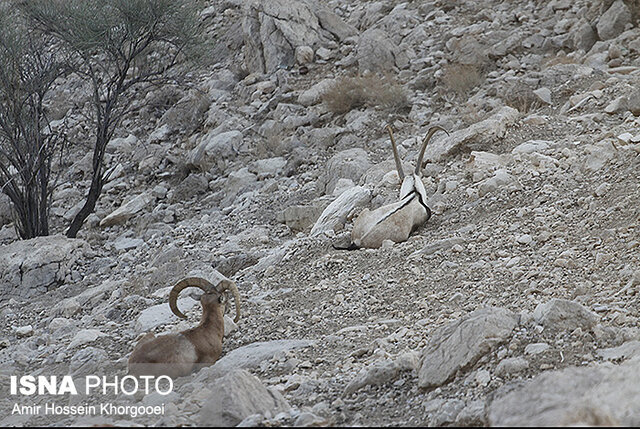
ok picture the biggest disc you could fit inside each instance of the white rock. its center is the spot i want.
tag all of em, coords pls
(613, 21)
(536, 348)
(238, 395)
(314, 94)
(494, 126)
(128, 209)
(304, 54)
(625, 138)
(161, 314)
(532, 146)
(33, 266)
(85, 336)
(335, 215)
(544, 94)
(24, 331)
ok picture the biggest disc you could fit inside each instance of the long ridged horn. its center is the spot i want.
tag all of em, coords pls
(228, 284)
(430, 133)
(198, 282)
(396, 157)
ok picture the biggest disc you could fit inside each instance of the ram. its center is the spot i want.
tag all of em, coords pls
(396, 221)
(179, 354)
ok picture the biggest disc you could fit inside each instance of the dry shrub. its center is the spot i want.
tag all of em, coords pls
(372, 91)
(461, 78)
(558, 59)
(470, 114)
(521, 97)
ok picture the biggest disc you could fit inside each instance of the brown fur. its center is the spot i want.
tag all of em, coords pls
(179, 354)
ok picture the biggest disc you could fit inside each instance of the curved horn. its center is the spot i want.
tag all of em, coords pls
(229, 285)
(198, 282)
(430, 133)
(396, 157)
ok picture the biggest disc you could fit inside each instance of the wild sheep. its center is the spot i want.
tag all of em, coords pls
(179, 354)
(397, 220)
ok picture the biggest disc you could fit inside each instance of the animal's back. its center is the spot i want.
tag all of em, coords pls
(150, 357)
(371, 228)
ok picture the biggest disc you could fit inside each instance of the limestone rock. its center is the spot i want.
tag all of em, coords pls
(633, 103)
(492, 127)
(85, 336)
(238, 395)
(564, 315)
(613, 21)
(87, 361)
(92, 296)
(273, 30)
(347, 164)
(335, 215)
(583, 35)
(458, 345)
(575, 396)
(127, 210)
(299, 217)
(161, 314)
(249, 356)
(34, 266)
(625, 351)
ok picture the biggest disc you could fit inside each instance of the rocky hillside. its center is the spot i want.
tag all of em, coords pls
(516, 303)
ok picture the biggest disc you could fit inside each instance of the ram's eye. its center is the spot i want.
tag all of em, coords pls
(222, 299)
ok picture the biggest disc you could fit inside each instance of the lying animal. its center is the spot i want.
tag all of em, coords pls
(179, 354)
(396, 221)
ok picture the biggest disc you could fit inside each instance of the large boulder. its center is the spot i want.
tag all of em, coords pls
(460, 344)
(614, 20)
(237, 396)
(31, 267)
(564, 315)
(335, 215)
(274, 29)
(601, 395)
(376, 52)
(348, 164)
(493, 127)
